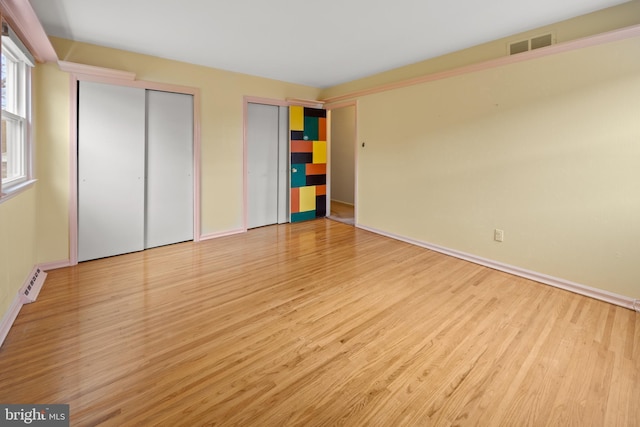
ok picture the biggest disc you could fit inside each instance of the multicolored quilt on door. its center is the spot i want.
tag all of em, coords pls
(308, 129)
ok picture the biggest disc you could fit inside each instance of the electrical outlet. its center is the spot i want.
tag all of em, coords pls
(498, 235)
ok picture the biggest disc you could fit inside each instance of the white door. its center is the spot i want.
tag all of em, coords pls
(111, 152)
(169, 188)
(262, 164)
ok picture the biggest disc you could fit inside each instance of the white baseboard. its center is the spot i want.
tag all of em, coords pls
(32, 286)
(27, 293)
(599, 294)
(222, 234)
(10, 317)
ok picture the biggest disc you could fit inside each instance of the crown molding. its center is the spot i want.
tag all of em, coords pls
(311, 103)
(23, 20)
(91, 70)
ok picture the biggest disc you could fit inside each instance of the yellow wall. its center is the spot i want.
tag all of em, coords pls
(221, 131)
(609, 19)
(17, 244)
(51, 117)
(547, 150)
(342, 164)
(553, 163)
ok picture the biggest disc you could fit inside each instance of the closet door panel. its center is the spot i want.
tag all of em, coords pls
(262, 164)
(169, 192)
(111, 152)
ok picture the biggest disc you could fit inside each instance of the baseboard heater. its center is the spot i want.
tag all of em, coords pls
(32, 286)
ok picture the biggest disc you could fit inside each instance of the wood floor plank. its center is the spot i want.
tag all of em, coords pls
(318, 323)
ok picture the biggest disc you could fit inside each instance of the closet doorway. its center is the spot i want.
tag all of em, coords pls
(267, 164)
(135, 169)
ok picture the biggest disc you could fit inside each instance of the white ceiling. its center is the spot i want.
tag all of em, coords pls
(316, 43)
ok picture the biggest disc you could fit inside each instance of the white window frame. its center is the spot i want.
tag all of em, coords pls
(16, 116)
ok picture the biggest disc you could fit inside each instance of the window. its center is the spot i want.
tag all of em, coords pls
(16, 94)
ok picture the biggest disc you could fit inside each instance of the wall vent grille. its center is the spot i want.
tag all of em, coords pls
(532, 43)
(32, 286)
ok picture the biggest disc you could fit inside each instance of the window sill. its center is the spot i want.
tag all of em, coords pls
(14, 190)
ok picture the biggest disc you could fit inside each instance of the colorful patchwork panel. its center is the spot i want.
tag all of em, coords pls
(319, 152)
(298, 175)
(296, 119)
(308, 132)
(295, 200)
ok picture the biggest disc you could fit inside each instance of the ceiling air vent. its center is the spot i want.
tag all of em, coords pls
(536, 42)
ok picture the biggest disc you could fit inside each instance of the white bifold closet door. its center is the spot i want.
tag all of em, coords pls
(267, 165)
(135, 169)
(169, 184)
(111, 152)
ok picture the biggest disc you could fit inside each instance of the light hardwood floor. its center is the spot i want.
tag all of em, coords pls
(342, 212)
(318, 323)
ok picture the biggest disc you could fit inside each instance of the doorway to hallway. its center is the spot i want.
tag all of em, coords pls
(343, 164)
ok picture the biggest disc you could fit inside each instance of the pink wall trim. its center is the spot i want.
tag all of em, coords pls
(608, 37)
(90, 70)
(328, 198)
(24, 21)
(108, 77)
(341, 104)
(222, 234)
(311, 103)
(143, 84)
(266, 101)
(48, 266)
(245, 191)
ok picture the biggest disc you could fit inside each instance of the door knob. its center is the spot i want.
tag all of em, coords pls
(294, 170)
